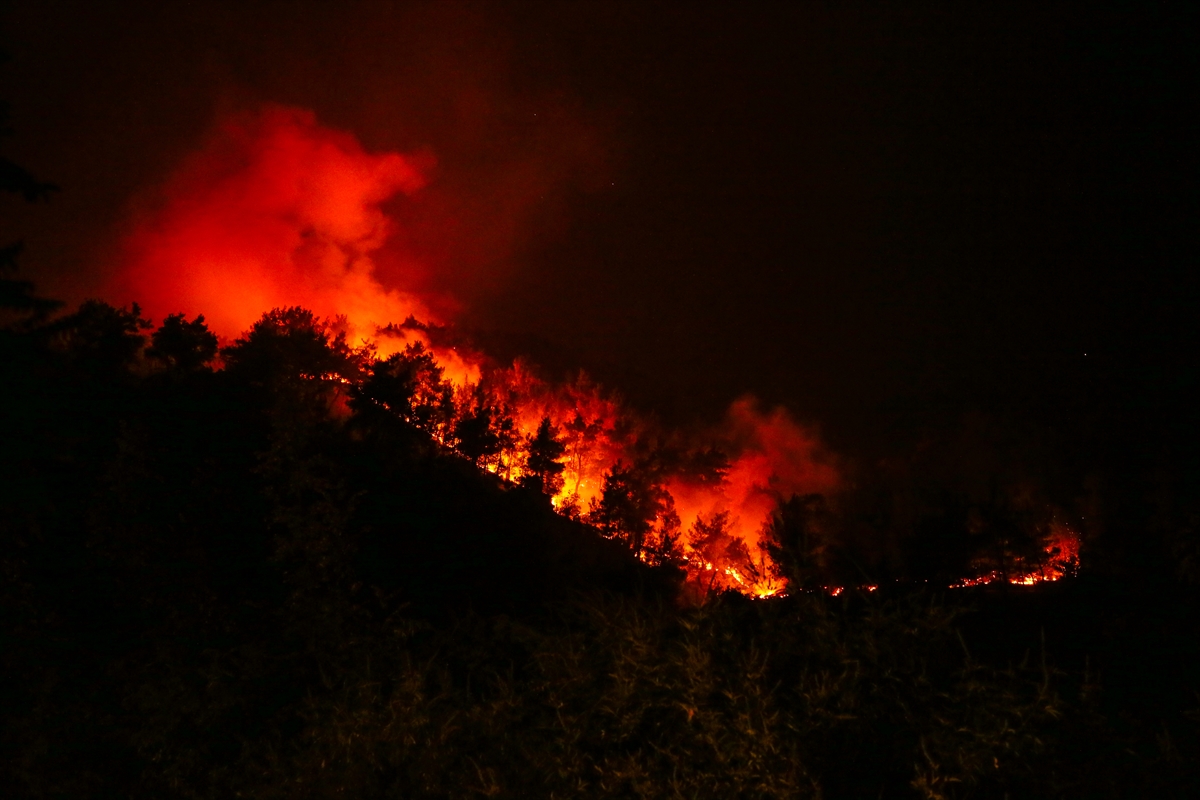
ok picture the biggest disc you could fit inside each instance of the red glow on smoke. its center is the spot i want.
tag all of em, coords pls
(275, 210)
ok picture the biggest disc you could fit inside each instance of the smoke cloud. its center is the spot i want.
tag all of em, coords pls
(274, 210)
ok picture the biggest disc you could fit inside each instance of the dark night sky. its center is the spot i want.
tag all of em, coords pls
(879, 218)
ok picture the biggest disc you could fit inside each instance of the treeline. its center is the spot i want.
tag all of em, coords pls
(877, 531)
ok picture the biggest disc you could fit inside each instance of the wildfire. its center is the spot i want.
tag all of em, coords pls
(277, 211)
(1062, 560)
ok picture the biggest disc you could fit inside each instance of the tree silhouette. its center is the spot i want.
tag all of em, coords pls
(290, 345)
(707, 466)
(630, 503)
(19, 304)
(475, 430)
(13, 177)
(633, 505)
(182, 345)
(940, 545)
(16, 296)
(543, 467)
(664, 544)
(100, 338)
(798, 538)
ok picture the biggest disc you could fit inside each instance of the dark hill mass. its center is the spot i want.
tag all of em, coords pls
(270, 580)
(254, 467)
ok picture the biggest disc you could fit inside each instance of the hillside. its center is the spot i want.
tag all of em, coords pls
(260, 581)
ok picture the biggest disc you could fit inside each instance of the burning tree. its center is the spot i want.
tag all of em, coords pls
(410, 384)
(1019, 541)
(478, 428)
(629, 506)
(589, 434)
(719, 559)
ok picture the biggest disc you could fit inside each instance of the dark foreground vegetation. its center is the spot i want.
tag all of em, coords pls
(249, 582)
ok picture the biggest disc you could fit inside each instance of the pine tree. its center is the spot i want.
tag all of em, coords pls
(629, 505)
(475, 431)
(182, 345)
(543, 467)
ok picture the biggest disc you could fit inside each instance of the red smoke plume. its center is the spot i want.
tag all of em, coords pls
(275, 210)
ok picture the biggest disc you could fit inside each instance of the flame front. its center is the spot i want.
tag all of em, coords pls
(1062, 560)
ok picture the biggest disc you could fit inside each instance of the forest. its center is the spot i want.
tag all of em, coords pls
(283, 567)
